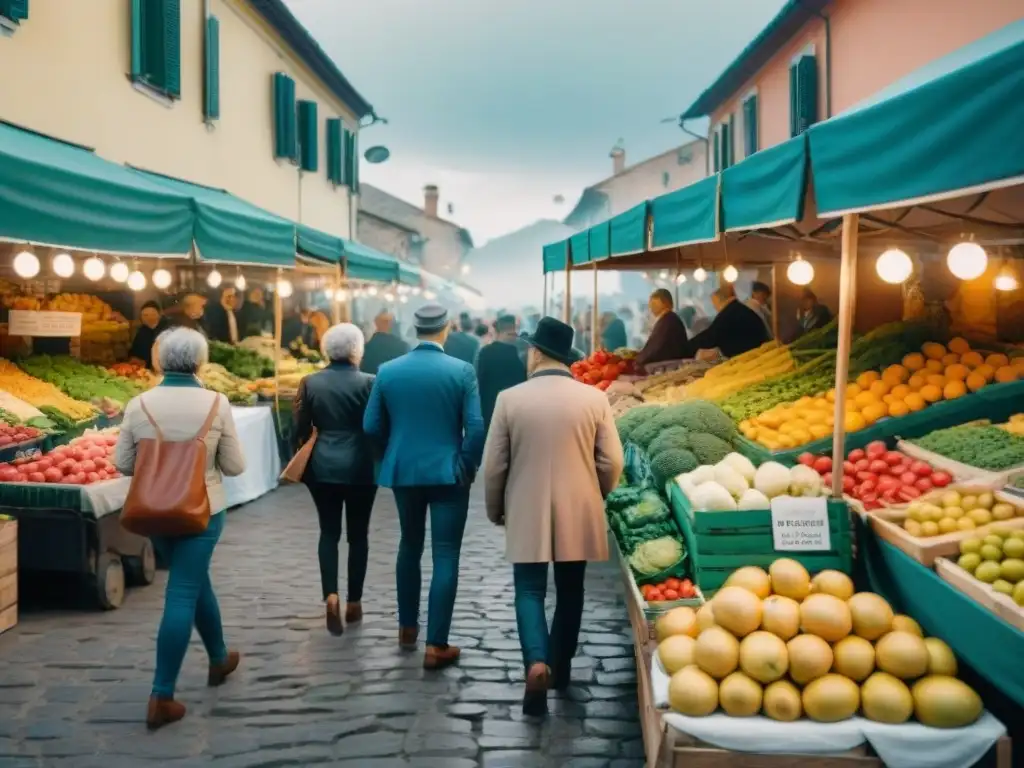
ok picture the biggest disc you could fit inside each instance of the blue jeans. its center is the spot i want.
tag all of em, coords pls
(189, 600)
(448, 505)
(531, 583)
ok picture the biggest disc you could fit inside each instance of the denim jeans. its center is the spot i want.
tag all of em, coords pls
(189, 601)
(448, 505)
(531, 583)
(356, 501)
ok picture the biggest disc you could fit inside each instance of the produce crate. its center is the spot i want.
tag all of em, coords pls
(956, 468)
(642, 614)
(8, 573)
(720, 542)
(1001, 605)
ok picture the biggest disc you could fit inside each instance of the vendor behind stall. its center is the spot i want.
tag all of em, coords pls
(668, 335)
(152, 324)
(613, 332)
(221, 320)
(255, 317)
(736, 328)
(811, 315)
(297, 326)
(760, 302)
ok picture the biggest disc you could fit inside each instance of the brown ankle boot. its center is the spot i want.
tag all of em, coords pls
(535, 700)
(219, 672)
(334, 625)
(353, 613)
(407, 638)
(437, 657)
(163, 711)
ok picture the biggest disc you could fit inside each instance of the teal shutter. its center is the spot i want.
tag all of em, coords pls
(349, 177)
(212, 93)
(309, 156)
(14, 10)
(136, 42)
(794, 105)
(732, 139)
(354, 159)
(156, 44)
(716, 157)
(284, 116)
(750, 126)
(172, 47)
(334, 151)
(807, 92)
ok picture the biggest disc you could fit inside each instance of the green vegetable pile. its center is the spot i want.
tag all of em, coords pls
(645, 531)
(982, 446)
(241, 362)
(9, 418)
(79, 380)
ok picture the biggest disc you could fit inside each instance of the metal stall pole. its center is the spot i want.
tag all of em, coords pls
(847, 288)
(544, 304)
(594, 333)
(775, 302)
(567, 308)
(335, 303)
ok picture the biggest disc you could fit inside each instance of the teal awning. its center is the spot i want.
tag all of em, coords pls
(952, 127)
(686, 216)
(766, 189)
(555, 256)
(408, 274)
(319, 245)
(600, 241)
(228, 230)
(628, 231)
(579, 247)
(364, 263)
(58, 194)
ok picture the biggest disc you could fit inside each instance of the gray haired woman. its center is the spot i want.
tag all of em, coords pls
(178, 407)
(340, 473)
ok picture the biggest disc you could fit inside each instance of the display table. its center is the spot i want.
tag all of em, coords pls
(258, 438)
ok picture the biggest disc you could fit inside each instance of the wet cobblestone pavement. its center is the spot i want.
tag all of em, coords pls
(74, 683)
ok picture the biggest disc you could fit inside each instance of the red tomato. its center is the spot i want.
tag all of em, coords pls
(875, 448)
(806, 458)
(822, 464)
(36, 477)
(848, 483)
(671, 584)
(849, 468)
(923, 484)
(878, 466)
(670, 594)
(888, 481)
(687, 591)
(603, 385)
(941, 479)
(856, 455)
(921, 469)
(892, 458)
(53, 475)
(908, 478)
(30, 468)
(654, 596)
(868, 486)
(909, 493)
(865, 476)
(826, 479)
(861, 465)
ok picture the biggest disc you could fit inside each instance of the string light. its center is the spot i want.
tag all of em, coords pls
(240, 282)
(161, 279)
(416, 290)
(389, 296)
(136, 281)
(284, 288)
(663, 275)
(1006, 280)
(403, 299)
(894, 266)
(680, 278)
(800, 272)
(119, 272)
(967, 260)
(94, 268)
(730, 273)
(700, 274)
(371, 291)
(214, 279)
(63, 265)
(26, 264)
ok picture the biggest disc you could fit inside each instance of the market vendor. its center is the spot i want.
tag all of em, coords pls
(297, 326)
(613, 332)
(812, 314)
(151, 324)
(221, 320)
(255, 318)
(736, 328)
(668, 335)
(189, 312)
(760, 302)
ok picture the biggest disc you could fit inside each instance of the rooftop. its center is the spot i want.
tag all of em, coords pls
(383, 205)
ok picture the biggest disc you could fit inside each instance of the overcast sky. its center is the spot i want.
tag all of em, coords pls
(505, 104)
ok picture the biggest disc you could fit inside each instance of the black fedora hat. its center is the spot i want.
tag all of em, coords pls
(554, 339)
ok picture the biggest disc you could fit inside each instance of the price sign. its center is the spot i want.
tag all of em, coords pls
(800, 524)
(22, 322)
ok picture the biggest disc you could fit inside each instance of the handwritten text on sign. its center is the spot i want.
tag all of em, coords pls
(800, 524)
(22, 322)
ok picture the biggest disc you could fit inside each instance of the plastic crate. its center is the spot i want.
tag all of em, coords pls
(720, 542)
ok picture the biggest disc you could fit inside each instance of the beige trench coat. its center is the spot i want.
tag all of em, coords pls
(552, 455)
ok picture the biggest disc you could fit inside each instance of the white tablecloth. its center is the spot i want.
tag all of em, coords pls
(263, 463)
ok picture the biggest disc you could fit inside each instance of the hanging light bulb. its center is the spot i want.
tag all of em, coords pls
(1006, 280)
(371, 291)
(663, 275)
(403, 299)
(416, 290)
(730, 273)
(340, 295)
(119, 272)
(894, 266)
(214, 279)
(161, 279)
(136, 281)
(800, 272)
(63, 265)
(967, 260)
(645, 276)
(389, 296)
(680, 278)
(94, 268)
(429, 295)
(284, 288)
(700, 274)
(26, 264)
(240, 282)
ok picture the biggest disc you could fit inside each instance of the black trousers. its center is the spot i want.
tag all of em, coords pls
(356, 502)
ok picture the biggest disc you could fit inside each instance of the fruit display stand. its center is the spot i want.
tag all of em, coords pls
(8, 573)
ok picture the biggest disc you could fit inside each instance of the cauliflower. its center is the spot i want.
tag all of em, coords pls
(712, 497)
(731, 480)
(709, 449)
(670, 463)
(753, 499)
(741, 464)
(702, 474)
(804, 481)
(656, 555)
(772, 479)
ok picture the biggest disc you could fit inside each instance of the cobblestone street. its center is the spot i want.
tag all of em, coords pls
(74, 683)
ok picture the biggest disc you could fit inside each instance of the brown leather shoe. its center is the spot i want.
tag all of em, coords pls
(353, 613)
(407, 638)
(219, 672)
(334, 625)
(535, 700)
(161, 712)
(437, 657)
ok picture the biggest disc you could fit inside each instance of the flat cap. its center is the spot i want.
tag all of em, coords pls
(430, 318)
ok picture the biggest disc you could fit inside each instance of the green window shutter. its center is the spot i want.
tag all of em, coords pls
(349, 174)
(732, 139)
(212, 91)
(136, 41)
(334, 151)
(750, 125)
(285, 138)
(807, 92)
(14, 10)
(354, 159)
(156, 44)
(309, 136)
(794, 106)
(717, 165)
(172, 47)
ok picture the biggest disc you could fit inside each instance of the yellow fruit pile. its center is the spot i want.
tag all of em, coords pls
(956, 509)
(780, 644)
(791, 425)
(38, 393)
(757, 365)
(1015, 426)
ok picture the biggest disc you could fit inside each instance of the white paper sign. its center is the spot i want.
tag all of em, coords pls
(22, 322)
(800, 524)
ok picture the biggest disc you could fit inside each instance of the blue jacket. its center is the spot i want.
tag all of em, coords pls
(425, 411)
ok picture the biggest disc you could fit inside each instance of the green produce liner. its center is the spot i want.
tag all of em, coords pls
(39, 496)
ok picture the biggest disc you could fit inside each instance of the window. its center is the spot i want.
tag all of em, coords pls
(335, 151)
(351, 161)
(684, 156)
(211, 95)
(750, 125)
(12, 13)
(156, 46)
(285, 131)
(803, 93)
(665, 179)
(716, 155)
(309, 137)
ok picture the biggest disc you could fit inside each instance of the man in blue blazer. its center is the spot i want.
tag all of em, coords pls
(425, 410)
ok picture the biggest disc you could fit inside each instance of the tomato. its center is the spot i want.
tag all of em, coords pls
(908, 478)
(849, 468)
(861, 465)
(848, 483)
(600, 357)
(868, 486)
(826, 480)
(856, 455)
(822, 464)
(921, 469)
(654, 596)
(687, 591)
(876, 448)
(886, 482)
(878, 466)
(672, 584)
(865, 476)
(806, 458)
(908, 493)
(892, 458)
(923, 484)
(645, 590)
(593, 376)
(36, 477)
(603, 385)
(941, 479)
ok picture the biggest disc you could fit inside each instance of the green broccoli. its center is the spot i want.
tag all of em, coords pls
(702, 416)
(645, 434)
(670, 463)
(633, 418)
(708, 448)
(673, 437)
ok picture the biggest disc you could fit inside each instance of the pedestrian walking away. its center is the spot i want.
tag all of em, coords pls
(424, 410)
(340, 472)
(178, 410)
(499, 365)
(463, 344)
(383, 345)
(551, 457)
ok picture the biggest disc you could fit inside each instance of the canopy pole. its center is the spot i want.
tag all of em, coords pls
(567, 309)
(335, 303)
(278, 332)
(544, 304)
(847, 287)
(775, 302)
(594, 334)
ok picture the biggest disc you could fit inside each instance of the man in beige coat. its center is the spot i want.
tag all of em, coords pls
(552, 455)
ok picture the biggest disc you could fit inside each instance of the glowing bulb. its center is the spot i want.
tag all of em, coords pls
(465, 269)
(429, 295)
(967, 260)
(700, 275)
(371, 291)
(119, 272)
(136, 281)
(416, 290)
(800, 272)
(161, 279)
(340, 295)
(1006, 280)
(403, 299)
(894, 266)
(284, 288)
(214, 279)
(680, 278)
(63, 265)
(240, 282)
(644, 275)
(94, 268)
(730, 273)
(389, 296)
(26, 264)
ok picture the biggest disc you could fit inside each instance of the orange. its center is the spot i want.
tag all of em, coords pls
(873, 412)
(852, 390)
(1017, 362)
(959, 345)
(865, 398)
(934, 366)
(899, 408)
(1007, 373)
(915, 401)
(819, 431)
(866, 379)
(936, 380)
(933, 350)
(895, 374)
(954, 389)
(957, 372)
(951, 359)
(975, 381)
(997, 360)
(890, 399)
(986, 371)
(972, 359)
(916, 381)
(932, 393)
(853, 422)
(900, 391)
(914, 361)
(880, 388)
(831, 395)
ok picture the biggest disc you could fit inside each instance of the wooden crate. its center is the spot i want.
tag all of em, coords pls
(8, 573)
(642, 614)
(1004, 607)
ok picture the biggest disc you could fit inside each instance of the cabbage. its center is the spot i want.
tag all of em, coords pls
(753, 499)
(772, 479)
(741, 464)
(702, 474)
(656, 555)
(731, 480)
(804, 481)
(712, 497)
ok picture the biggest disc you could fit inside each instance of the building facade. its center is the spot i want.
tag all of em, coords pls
(232, 94)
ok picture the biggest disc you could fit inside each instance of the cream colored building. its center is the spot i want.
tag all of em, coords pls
(67, 73)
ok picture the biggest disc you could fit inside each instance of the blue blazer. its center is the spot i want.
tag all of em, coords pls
(424, 410)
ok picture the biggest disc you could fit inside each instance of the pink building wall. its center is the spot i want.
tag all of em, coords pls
(874, 43)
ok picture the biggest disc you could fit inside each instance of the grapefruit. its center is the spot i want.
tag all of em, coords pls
(737, 609)
(941, 660)
(902, 654)
(676, 652)
(871, 614)
(781, 701)
(810, 657)
(717, 652)
(826, 616)
(833, 583)
(678, 621)
(693, 692)
(945, 702)
(751, 578)
(763, 656)
(904, 623)
(831, 698)
(790, 579)
(780, 616)
(854, 658)
(705, 618)
(886, 699)
(739, 695)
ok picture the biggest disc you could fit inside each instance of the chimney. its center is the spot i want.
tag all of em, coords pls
(430, 200)
(618, 156)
